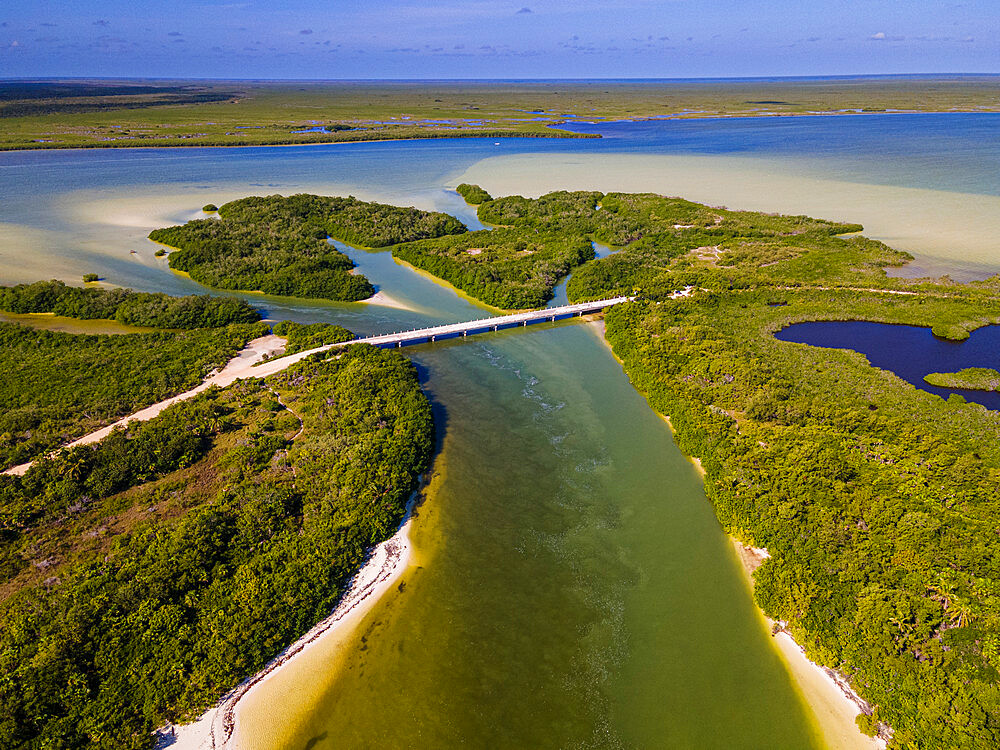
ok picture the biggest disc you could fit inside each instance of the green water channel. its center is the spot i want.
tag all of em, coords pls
(573, 588)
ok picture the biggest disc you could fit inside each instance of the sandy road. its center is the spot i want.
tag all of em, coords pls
(240, 366)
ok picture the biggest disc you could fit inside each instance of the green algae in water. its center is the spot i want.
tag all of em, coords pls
(572, 587)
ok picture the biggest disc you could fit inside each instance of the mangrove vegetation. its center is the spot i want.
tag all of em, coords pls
(970, 378)
(59, 386)
(144, 576)
(126, 306)
(280, 245)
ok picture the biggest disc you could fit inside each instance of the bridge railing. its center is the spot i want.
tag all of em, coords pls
(493, 321)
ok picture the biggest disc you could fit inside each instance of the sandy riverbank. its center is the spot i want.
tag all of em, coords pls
(220, 728)
(827, 694)
(831, 701)
(386, 300)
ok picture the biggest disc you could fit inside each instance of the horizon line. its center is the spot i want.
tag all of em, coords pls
(581, 79)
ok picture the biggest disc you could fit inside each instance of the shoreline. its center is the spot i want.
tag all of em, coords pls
(451, 287)
(382, 299)
(825, 692)
(219, 727)
(555, 126)
(567, 134)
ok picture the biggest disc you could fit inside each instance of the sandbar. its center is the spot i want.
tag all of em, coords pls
(934, 225)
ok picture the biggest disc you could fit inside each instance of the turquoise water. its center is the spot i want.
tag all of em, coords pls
(953, 152)
(574, 589)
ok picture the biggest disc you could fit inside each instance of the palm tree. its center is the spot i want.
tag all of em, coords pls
(960, 613)
(943, 589)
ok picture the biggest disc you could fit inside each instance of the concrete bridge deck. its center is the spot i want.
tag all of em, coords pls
(483, 325)
(249, 364)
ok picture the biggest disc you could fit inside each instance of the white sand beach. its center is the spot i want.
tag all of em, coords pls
(220, 727)
(827, 694)
(386, 300)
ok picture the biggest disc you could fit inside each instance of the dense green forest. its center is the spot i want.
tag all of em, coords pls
(59, 386)
(126, 306)
(506, 267)
(304, 336)
(878, 503)
(538, 241)
(279, 245)
(146, 575)
(473, 194)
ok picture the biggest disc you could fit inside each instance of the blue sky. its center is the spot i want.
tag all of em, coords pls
(325, 39)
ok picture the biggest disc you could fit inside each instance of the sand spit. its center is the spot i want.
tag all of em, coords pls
(385, 300)
(218, 728)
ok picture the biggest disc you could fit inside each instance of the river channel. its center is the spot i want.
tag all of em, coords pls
(571, 587)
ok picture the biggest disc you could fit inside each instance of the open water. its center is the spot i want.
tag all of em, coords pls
(573, 588)
(911, 352)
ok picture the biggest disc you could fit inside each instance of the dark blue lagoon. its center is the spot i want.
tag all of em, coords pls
(911, 352)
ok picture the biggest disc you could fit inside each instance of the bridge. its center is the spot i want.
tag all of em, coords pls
(484, 325)
(251, 362)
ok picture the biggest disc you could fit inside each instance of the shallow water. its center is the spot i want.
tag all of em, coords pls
(573, 588)
(947, 231)
(909, 351)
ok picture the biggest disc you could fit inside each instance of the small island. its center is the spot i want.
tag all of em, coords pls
(473, 194)
(867, 493)
(971, 378)
(281, 245)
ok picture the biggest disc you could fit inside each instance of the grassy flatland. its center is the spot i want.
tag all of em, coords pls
(253, 113)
